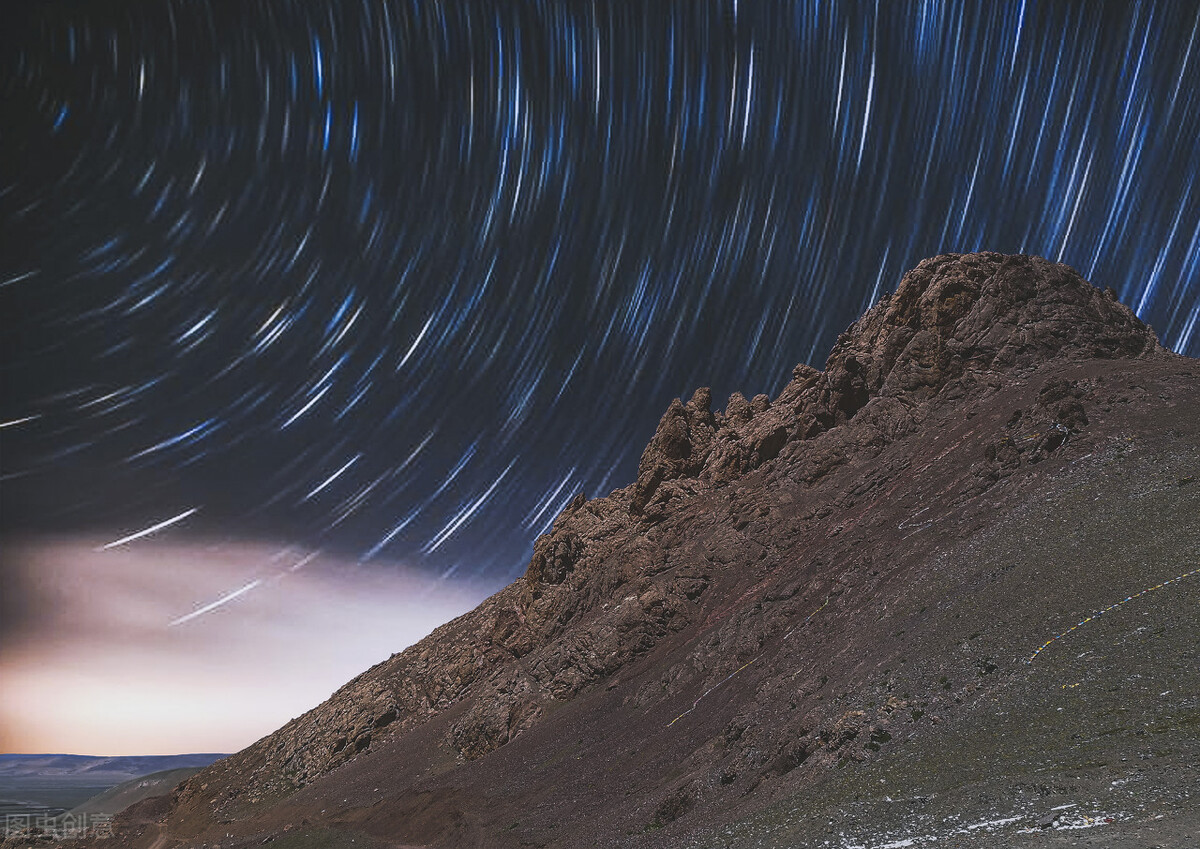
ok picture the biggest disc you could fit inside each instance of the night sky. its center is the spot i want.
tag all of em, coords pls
(397, 280)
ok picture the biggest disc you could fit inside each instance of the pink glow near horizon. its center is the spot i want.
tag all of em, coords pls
(165, 648)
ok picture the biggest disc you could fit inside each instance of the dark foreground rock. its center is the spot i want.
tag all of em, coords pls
(812, 619)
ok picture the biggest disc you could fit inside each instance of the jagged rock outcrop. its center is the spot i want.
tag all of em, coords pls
(744, 526)
(952, 316)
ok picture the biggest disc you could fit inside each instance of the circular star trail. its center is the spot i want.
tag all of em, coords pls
(400, 279)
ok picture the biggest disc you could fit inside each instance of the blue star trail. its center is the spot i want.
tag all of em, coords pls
(399, 279)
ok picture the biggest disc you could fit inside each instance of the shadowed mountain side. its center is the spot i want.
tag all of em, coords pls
(800, 598)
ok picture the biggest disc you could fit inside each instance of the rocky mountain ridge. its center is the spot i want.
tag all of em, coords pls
(708, 601)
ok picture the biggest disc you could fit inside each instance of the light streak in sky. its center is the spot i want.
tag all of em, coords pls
(15, 422)
(153, 529)
(228, 597)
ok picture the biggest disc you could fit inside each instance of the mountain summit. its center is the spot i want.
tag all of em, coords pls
(945, 587)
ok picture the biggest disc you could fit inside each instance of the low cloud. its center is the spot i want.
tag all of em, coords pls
(161, 648)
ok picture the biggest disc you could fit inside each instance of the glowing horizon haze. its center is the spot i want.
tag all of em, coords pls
(169, 647)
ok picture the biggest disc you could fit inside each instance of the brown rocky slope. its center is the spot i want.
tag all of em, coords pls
(806, 613)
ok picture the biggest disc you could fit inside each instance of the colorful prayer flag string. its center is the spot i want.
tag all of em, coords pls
(1127, 599)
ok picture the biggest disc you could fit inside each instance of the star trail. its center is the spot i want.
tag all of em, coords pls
(398, 279)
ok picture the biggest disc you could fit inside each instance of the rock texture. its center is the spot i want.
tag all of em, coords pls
(952, 318)
(790, 592)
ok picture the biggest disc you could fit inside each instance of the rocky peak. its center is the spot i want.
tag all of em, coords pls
(958, 312)
(951, 315)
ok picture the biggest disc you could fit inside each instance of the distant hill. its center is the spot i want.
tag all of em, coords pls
(134, 790)
(93, 766)
(52, 784)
